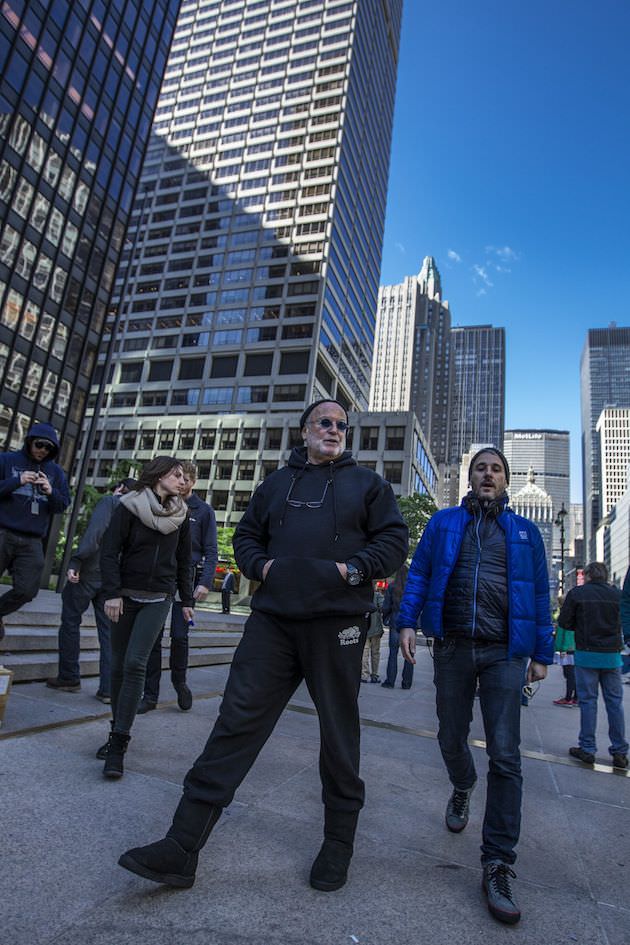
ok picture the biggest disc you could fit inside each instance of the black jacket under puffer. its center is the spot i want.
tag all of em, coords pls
(592, 611)
(476, 599)
(137, 557)
(358, 522)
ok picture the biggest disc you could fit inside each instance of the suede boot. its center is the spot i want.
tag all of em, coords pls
(330, 869)
(101, 754)
(173, 860)
(116, 748)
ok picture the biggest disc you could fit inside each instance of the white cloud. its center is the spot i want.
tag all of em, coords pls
(400, 248)
(505, 253)
(453, 256)
(483, 275)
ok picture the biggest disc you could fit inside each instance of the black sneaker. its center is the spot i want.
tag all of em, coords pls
(584, 756)
(619, 760)
(457, 810)
(330, 868)
(387, 685)
(162, 862)
(145, 706)
(184, 697)
(498, 889)
(63, 685)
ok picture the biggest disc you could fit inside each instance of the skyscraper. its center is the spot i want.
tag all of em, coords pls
(478, 413)
(604, 382)
(613, 427)
(252, 284)
(78, 87)
(547, 453)
(412, 363)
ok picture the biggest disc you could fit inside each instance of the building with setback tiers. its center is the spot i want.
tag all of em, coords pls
(478, 399)
(78, 87)
(252, 284)
(604, 382)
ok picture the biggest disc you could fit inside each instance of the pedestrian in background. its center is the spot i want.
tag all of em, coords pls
(372, 648)
(203, 533)
(391, 606)
(33, 488)
(227, 588)
(145, 557)
(624, 610)
(83, 588)
(592, 611)
(565, 647)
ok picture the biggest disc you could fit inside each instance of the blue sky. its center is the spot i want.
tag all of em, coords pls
(510, 166)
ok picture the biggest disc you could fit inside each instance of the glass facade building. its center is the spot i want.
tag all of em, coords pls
(478, 414)
(251, 284)
(604, 382)
(78, 87)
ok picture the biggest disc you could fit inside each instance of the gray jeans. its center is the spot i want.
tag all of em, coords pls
(23, 557)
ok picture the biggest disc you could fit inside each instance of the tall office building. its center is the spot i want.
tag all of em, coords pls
(547, 453)
(604, 382)
(78, 87)
(252, 283)
(478, 413)
(613, 426)
(412, 359)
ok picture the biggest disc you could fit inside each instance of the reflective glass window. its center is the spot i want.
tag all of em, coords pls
(8, 177)
(9, 245)
(39, 213)
(23, 198)
(29, 320)
(26, 258)
(55, 226)
(11, 308)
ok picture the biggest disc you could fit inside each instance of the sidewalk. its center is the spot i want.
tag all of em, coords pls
(411, 881)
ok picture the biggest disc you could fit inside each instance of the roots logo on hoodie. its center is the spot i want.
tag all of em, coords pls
(348, 636)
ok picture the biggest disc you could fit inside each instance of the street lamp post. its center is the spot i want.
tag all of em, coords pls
(562, 514)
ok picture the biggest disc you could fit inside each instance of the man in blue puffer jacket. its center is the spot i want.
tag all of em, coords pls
(32, 489)
(478, 581)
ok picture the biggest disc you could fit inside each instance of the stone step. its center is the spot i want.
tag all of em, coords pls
(31, 667)
(49, 619)
(38, 639)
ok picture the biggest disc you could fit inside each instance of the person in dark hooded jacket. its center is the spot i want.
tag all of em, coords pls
(33, 488)
(315, 535)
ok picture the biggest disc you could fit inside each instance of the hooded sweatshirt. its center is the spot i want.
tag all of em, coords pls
(18, 502)
(353, 517)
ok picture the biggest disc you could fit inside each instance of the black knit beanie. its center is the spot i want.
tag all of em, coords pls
(497, 452)
(311, 408)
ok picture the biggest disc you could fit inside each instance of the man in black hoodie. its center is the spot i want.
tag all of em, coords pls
(315, 534)
(33, 488)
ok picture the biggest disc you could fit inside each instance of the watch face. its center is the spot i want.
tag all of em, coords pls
(354, 578)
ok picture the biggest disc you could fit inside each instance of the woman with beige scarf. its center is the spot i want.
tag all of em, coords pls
(145, 557)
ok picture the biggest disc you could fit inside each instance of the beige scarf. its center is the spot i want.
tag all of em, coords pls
(163, 518)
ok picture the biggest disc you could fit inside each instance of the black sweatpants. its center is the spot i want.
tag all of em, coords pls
(272, 659)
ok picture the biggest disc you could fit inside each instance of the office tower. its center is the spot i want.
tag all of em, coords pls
(478, 412)
(547, 453)
(412, 360)
(78, 87)
(604, 382)
(536, 504)
(613, 426)
(252, 283)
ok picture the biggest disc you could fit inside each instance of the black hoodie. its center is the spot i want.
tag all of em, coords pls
(358, 522)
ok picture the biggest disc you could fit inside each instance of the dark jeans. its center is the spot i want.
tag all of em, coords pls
(133, 637)
(458, 666)
(588, 683)
(23, 557)
(75, 600)
(178, 660)
(270, 662)
(392, 662)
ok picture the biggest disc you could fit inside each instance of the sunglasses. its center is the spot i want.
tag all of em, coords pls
(327, 424)
(43, 445)
(297, 504)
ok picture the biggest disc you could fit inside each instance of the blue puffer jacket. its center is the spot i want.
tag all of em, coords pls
(529, 621)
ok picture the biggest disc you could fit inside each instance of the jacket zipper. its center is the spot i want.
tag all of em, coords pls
(476, 581)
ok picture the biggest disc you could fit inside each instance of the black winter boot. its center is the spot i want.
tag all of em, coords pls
(173, 860)
(330, 869)
(117, 746)
(101, 754)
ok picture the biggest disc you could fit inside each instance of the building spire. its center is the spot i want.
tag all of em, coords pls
(429, 279)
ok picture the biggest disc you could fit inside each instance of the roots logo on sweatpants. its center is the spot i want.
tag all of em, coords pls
(348, 636)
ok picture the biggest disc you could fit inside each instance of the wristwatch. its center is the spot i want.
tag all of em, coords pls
(353, 575)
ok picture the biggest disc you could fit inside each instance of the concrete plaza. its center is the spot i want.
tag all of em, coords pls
(411, 881)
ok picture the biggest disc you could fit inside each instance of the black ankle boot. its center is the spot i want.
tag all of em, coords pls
(330, 869)
(116, 748)
(101, 754)
(173, 860)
